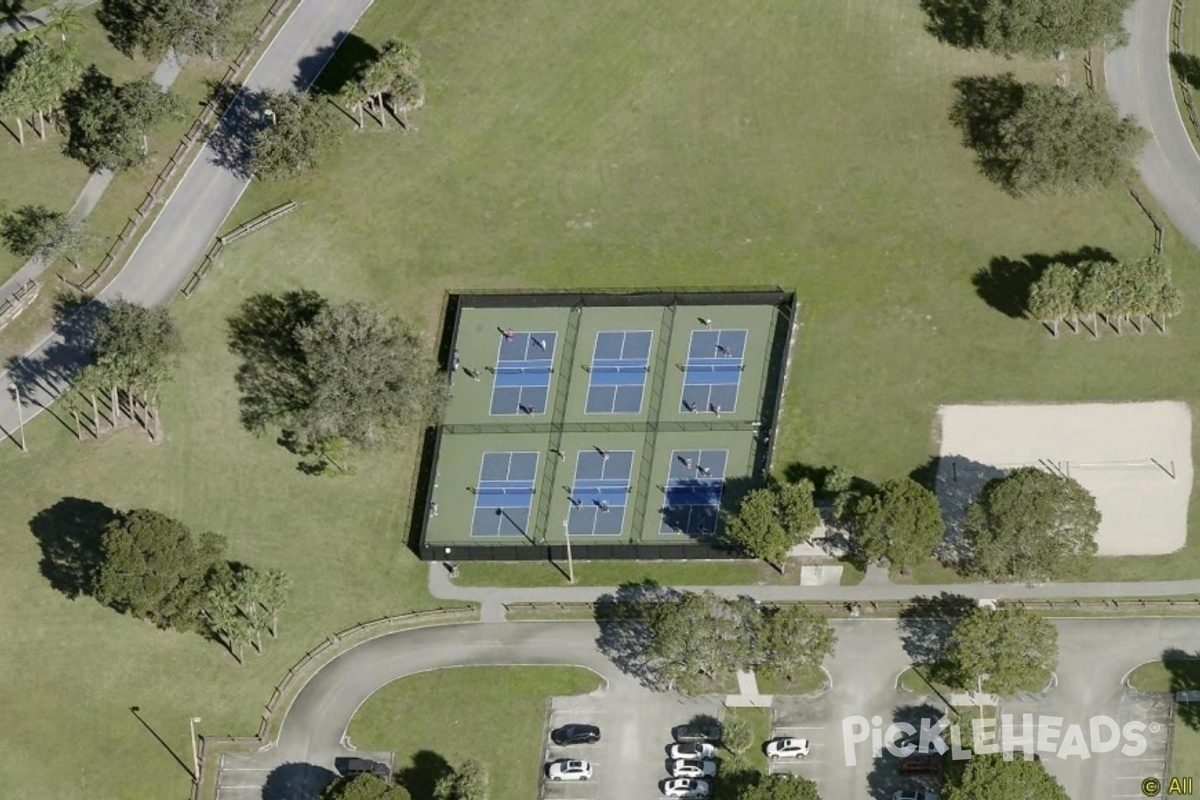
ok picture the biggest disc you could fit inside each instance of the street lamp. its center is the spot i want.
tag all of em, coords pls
(567, 536)
(20, 415)
(195, 756)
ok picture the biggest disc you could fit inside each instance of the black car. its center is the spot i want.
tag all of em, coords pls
(921, 764)
(357, 766)
(686, 734)
(576, 734)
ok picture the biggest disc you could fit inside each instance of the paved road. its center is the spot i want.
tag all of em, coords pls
(203, 199)
(869, 655)
(1139, 81)
(36, 18)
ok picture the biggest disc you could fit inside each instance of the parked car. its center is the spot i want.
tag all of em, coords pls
(915, 794)
(686, 768)
(787, 748)
(357, 766)
(686, 787)
(575, 733)
(692, 750)
(921, 764)
(697, 733)
(569, 769)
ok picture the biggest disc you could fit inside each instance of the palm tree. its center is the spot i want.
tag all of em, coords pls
(1092, 296)
(88, 383)
(1052, 297)
(14, 104)
(1170, 303)
(64, 19)
(221, 615)
(276, 585)
(247, 595)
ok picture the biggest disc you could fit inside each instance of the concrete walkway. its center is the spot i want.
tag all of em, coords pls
(492, 600)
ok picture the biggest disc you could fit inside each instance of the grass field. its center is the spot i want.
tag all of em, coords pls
(438, 720)
(1156, 676)
(619, 144)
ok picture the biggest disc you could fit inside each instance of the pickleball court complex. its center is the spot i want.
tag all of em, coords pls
(627, 421)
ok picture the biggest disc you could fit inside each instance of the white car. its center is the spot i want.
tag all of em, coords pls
(693, 751)
(787, 748)
(569, 769)
(914, 794)
(685, 787)
(681, 768)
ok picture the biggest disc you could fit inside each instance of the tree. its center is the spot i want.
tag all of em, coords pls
(108, 123)
(837, 483)
(1010, 649)
(1052, 296)
(154, 568)
(301, 129)
(1042, 27)
(38, 82)
(468, 783)
(90, 382)
(275, 588)
(780, 786)
(701, 634)
(1032, 526)
(991, 777)
(391, 75)
(30, 231)
(189, 27)
(363, 786)
(64, 19)
(1030, 138)
(736, 735)
(773, 520)
(369, 375)
(793, 639)
(901, 523)
(137, 348)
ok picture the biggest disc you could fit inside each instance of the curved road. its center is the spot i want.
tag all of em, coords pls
(199, 205)
(1140, 82)
(1094, 656)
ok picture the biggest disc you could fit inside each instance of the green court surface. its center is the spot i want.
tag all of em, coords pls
(619, 419)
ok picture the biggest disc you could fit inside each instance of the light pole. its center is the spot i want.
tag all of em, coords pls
(567, 536)
(20, 416)
(195, 756)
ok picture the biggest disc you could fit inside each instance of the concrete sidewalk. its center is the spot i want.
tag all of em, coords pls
(492, 599)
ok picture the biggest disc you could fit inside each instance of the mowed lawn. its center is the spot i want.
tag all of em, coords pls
(436, 721)
(566, 146)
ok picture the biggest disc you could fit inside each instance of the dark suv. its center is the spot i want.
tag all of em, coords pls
(357, 766)
(697, 733)
(576, 734)
(921, 764)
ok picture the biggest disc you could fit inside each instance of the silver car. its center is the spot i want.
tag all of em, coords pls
(569, 769)
(687, 768)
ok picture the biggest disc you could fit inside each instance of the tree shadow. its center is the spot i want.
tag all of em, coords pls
(926, 624)
(1187, 67)
(984, 103)
(69, 533)
(955, 22)
(1006, 283)
(232, 141)
(68, 351)
(1184, 670)
(624, 635)
(736, 780)
(120, 20)
(271, 376)
(335, 65)
(956, 481)
(421, 776)
(297, 781)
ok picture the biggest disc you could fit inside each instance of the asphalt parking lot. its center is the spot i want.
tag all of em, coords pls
(630, 760)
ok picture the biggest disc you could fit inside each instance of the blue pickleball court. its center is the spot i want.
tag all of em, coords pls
(600, 492)
(693, 491)
(504, 494)
(617, 374)
(524, 365)
(713, 371)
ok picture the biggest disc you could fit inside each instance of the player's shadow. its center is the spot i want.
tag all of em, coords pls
(957, 482)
